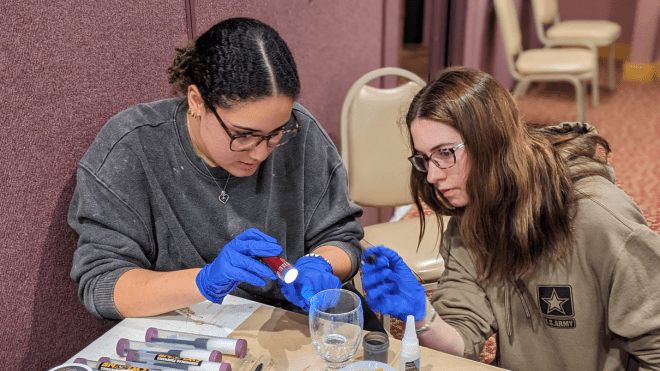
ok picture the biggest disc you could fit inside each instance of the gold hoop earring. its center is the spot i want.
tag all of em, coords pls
(192, 113)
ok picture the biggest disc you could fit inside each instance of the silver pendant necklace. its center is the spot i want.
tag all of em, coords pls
(224, 197)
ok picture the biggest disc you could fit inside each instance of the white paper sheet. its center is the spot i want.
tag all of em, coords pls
(218, 320)
(205, 318)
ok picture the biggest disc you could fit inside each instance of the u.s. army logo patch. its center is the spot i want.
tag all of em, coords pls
(556, 303)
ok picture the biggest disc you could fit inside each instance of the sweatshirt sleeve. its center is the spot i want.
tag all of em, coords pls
(331, 218)
(634, 300)
(459, 300)
(111, 241)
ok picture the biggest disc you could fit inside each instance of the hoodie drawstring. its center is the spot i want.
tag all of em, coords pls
(522, 299)
(507, 307)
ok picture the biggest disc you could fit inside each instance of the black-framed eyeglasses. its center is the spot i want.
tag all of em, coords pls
(245, 142)
(443, 158)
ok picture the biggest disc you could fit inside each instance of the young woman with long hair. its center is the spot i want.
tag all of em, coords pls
(542, 247)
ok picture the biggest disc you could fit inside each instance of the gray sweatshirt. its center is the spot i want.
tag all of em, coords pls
(143, 199)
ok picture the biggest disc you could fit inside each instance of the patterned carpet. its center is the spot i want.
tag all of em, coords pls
(629, 118)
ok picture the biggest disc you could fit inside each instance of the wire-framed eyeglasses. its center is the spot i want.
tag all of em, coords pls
(443, 158)
(245, 142)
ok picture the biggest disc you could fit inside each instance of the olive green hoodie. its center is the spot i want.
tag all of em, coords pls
(589, 312)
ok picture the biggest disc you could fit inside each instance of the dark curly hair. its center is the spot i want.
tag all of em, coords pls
(237, 60)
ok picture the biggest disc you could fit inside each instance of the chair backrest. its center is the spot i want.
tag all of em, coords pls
(545, 11)
(374, 147)
(507, 19)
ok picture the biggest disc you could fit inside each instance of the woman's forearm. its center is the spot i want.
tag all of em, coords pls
(341, 263)
(439, 336)
(141, 292)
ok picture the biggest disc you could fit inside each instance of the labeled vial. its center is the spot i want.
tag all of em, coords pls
(182, 340)
(282, 268)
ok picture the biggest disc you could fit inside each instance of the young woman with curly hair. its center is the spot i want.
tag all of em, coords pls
(176, 199)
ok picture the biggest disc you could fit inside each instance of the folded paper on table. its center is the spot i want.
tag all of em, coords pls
(220, 319)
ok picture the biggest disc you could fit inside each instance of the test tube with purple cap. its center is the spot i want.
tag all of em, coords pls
(140, 359)
(183, 340)
(125, 345)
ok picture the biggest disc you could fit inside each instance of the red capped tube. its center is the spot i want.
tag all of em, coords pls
(282, 268)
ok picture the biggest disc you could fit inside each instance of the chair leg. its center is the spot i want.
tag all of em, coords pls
(580, 100)
(595, 86)
(387, 323)
(521, 88)
(610, 67)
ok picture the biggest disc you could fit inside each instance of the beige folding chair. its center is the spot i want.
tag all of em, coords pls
(590, 33)
(575, 65)
(374, 149)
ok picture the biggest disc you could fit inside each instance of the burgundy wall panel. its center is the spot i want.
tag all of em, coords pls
(65, 68)
(619, 11)
(623, 13)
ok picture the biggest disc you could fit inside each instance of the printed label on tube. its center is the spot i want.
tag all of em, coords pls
(281, 268)
(107, 366)
(179, 360)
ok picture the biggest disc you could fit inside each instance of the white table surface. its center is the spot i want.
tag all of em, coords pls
(205, 318)
(275, 336)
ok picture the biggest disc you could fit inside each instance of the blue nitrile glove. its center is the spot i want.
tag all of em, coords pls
(390, 286)
(314, 275)
(235, 264)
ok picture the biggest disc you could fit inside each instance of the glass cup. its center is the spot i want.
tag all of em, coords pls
(335, 325)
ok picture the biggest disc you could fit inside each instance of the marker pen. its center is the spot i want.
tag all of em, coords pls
(107, 364)
(136, 358)
(182, 340)
(124, 345)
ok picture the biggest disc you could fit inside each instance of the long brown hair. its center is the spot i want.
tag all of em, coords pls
(520, 189)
